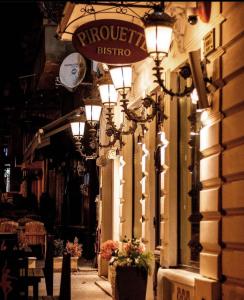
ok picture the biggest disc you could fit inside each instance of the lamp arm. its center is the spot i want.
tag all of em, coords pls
(147, 102)
(130, 130)
(113, 130)
(109, 144)
(80, 150)
(157, 74)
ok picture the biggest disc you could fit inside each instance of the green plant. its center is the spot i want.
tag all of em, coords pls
(58, 246)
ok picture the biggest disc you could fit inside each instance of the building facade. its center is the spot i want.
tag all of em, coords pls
(176, 181)
(130, 203)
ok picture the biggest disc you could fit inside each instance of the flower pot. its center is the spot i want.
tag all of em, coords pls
(57, 263)
(130, 283)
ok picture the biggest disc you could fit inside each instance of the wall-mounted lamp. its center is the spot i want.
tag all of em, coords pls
(122, 79)
(109, 98)
(158, 35)
(93, 111)
(108, 93)
(78, 129)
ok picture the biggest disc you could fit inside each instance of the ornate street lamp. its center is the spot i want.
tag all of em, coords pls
(122, 79)
(93, 110)
(109, 98)
(158, 35)
(78, 128)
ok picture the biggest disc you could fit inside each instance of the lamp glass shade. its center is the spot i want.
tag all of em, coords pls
(122, 78)
(77, 128)
(158, 40)
(108, 94)
(93, 112)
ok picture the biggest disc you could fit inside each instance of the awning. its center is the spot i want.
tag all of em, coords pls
(42, 137)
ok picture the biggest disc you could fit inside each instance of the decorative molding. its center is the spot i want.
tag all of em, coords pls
(143, 181)
(122, 163)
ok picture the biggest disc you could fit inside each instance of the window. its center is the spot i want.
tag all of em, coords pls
(7, 177)
(188, 183)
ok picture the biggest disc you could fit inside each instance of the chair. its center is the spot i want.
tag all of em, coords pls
(4, 220)
(35, 234)
(24, 220)
(34, 217)
(9, 226)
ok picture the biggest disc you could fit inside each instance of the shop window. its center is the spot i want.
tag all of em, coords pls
(188, 183)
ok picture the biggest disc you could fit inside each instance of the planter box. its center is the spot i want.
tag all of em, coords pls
(31, 262)
(57, 264)
(130, 283)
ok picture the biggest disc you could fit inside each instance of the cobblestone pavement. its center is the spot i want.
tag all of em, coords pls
(83, 286)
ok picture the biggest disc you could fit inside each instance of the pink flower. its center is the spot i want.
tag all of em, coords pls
(134, 246)
(108, 249)
(75, 249)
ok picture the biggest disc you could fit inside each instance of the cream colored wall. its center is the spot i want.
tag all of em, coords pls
(232, 158)
(222, 165)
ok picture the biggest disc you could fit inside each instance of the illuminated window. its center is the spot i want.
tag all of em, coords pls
(188, 183)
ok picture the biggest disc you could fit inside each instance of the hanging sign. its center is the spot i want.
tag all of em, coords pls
(111, 41)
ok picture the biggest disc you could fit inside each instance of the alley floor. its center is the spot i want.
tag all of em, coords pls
(85, 285)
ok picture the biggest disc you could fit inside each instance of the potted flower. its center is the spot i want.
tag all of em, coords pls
(74, 248)
(132, 264)
(58, 247)
(58, 250)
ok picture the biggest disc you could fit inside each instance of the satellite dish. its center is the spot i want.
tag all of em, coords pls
(72, 71)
